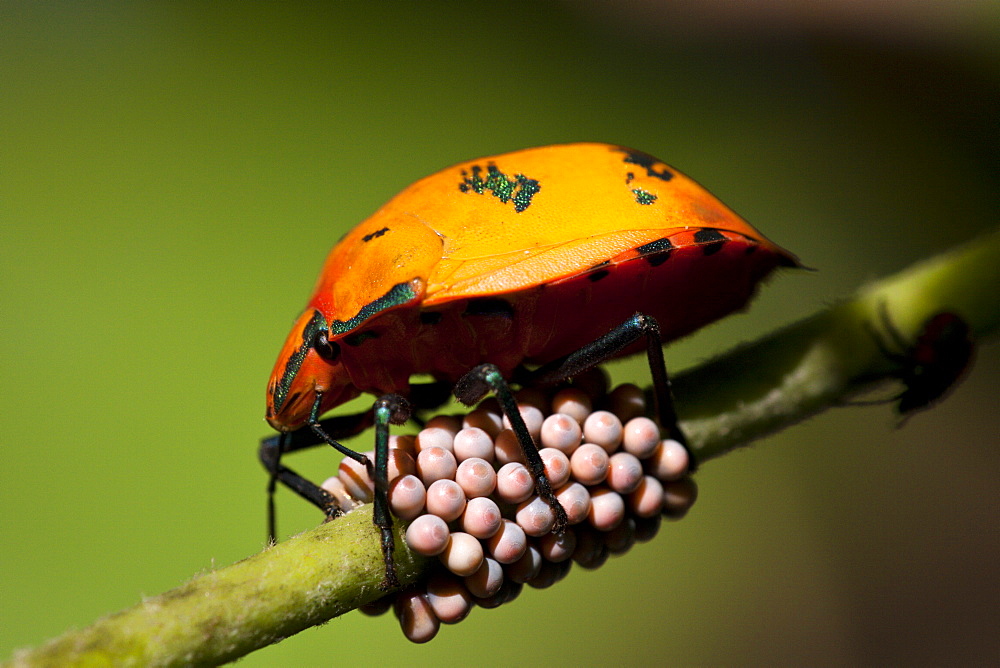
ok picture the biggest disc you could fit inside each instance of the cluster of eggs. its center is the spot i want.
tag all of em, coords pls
(463, 486)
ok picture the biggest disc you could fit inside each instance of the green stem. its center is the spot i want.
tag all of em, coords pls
(752, 391)
(225, 614)
(824, 360)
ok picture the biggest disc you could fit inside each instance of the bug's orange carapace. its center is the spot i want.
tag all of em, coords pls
(514, 259)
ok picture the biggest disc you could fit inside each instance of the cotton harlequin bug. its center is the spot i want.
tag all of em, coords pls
(529, 266)
(933, 365)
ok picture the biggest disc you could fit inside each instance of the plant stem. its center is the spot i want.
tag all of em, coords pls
(752, 391)
(824, 360)
(227, 613)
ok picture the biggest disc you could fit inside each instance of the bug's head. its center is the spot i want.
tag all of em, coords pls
(309, 364)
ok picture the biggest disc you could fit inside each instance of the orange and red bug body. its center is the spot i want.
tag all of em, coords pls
(443, 277)
(517, 261)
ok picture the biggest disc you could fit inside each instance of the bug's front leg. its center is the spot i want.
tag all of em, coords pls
(388, 409)
(324, 432)
(270, 452)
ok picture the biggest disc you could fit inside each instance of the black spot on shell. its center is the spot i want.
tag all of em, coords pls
(656, 252)
(595, 276)
(374, 235)
(648, 162)
(753, 244)
(711, 240)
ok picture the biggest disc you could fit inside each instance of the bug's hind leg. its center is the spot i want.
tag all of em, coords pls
(609, 345)
(486, 378)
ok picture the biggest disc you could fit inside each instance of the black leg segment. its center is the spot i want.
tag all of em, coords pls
(270, 453)
(485, 378)
(273, 448)
(609, 345)
(389, 409)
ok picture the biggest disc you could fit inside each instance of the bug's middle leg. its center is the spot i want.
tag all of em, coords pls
(486, 378)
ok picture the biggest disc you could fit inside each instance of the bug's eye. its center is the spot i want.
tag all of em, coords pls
(326, 349)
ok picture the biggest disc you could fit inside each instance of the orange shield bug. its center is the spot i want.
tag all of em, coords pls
(531, 266)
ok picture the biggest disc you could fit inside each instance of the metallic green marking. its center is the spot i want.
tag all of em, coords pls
(520, 189)
(643, 196)
(316, 324)
(399, 294)
(526, 189)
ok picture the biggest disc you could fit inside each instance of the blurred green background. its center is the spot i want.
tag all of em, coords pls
(173, 174)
